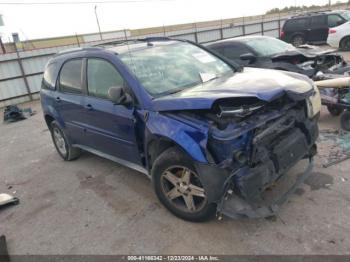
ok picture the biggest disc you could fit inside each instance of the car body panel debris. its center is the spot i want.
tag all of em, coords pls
(6, 199)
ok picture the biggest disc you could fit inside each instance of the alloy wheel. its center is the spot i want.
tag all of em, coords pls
(59, 141)
(183, 189)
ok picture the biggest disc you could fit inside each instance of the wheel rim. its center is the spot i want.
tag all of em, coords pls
(183, 189)
(298, 40)
(59, 141)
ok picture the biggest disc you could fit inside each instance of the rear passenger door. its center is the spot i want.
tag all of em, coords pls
(69, 99)
(110, 128)
(318, 31)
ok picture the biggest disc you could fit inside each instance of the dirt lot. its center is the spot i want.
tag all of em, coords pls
(95, 206)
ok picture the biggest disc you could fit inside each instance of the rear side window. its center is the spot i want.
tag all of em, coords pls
(71, 76)
(49, 78)
(317, 21)
(101, 75)
(295, 24)
(335, 20)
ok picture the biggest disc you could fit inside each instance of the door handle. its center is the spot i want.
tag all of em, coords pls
(58, 99)
(89, 107)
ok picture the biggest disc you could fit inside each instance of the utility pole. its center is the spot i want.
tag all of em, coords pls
(98, 23)
(329, 3)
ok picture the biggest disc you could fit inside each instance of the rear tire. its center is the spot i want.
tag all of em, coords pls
(334, 110)
(345, 121)
(62, 144)
(298, 40)
(178, 187)
(345, 44)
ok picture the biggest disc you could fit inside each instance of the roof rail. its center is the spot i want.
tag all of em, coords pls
(75, 49)
(311, 13)
(146, 39)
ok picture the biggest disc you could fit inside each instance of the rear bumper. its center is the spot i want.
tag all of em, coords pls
(333, 42)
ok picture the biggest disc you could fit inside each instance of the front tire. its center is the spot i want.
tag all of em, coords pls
(345, 121)
(61, 142)
(178, 187)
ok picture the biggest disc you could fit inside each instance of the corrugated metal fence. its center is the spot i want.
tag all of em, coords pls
(21, 72)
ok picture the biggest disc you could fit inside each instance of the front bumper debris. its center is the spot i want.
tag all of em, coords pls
(235, 206)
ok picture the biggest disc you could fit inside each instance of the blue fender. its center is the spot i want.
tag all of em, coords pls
(192, 139)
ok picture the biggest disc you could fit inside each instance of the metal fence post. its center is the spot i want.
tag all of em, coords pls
(243, 27)
(2, 46)
(195, 33)
(221, 30)
(164, 31)
(262, 25)
(19, 60)
(279, 23)
(76, 36)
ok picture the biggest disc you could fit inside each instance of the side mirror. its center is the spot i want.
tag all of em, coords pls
(248, 57)
(118, 95)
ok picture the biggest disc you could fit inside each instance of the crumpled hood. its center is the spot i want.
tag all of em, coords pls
(264, 84)
(306, 50)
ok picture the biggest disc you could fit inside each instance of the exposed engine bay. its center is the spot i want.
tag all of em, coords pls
(312, 61)
(252, 146)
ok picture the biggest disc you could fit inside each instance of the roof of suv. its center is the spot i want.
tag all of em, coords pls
(122, 46)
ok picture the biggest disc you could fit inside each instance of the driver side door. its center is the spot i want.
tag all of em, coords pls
(110, 128)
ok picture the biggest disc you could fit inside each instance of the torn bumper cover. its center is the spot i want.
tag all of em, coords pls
(235, 206)
(244, 192)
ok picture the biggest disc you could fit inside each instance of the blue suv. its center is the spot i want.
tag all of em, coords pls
(211, 135)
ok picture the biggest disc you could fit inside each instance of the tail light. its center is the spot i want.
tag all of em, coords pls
(282, 34)
(332, 31)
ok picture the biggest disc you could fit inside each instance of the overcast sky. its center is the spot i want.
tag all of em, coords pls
(40, 21)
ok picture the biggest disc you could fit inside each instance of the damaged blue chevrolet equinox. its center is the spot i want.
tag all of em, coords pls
(212, 136)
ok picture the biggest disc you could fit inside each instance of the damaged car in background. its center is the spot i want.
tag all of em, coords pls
(272, 53)
(212, 136)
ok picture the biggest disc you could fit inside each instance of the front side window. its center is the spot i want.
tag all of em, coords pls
(101, 75)
(71, 76)
(335, 20)
(266, 47)
(173, 66)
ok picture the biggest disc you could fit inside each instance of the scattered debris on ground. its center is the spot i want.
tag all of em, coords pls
(6, 199)
(13, 113)
(338, 146)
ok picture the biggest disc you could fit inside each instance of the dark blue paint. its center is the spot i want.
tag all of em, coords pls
(120, 130)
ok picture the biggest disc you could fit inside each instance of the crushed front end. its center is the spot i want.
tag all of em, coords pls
(252, 147)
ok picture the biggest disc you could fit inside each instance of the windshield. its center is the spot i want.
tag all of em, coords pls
(173, 66)
(268, 46)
